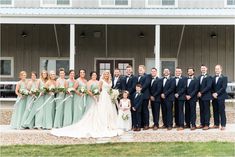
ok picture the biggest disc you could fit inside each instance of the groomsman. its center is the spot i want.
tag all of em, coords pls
(117, 79)
(137, 98)
(155, 97)
(144, 80)
(191, 99)
(168, 97)
(181, 85)
(204, 96)
(219, 95)
(129, 81)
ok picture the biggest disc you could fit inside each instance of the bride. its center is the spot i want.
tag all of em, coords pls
(101, 118)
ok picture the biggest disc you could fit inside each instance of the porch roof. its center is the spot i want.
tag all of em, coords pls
(51, 15)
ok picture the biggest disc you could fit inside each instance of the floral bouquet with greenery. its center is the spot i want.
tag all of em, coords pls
(125, 116)
(35, 92)
(95, 91)
(114, 93)
(24, 92)
(82, 90)
(60, 90)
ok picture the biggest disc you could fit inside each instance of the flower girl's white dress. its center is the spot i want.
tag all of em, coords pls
(124, 117)
(99, 121)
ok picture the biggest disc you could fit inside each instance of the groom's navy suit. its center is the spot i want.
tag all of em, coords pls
(128, 83)
(137, 104)
(145, 81)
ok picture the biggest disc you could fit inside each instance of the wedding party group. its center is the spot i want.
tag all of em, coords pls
(110, 105)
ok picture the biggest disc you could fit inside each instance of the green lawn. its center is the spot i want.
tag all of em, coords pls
(124, 149)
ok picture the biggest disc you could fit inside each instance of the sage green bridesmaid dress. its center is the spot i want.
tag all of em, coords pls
(90, 100)
(28, 109)
(59, 107)
(68, 106)
(49, 110)
(36, 115)
(19, 108)
(79, 103)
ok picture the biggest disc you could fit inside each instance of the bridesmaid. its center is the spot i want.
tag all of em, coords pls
(92, 88)
(32, 87)
(49, 108)
(20, 104)
(59, 110)
(79, 96)
(68, 104)
(36, 115)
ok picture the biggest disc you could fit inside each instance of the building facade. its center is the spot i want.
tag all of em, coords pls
(107, 34)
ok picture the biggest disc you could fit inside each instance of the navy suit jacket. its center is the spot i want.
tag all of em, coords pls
(130, 85)
(145, 81)
(205, 87)
(220, 87)
(137, 102)
(169, 89)
(180, 89)
(193, 88)
(118, 84)
(156, 89)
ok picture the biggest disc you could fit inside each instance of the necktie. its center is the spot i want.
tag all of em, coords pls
(189, 80)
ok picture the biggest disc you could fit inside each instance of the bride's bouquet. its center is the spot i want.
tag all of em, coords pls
(125, 116)
(114, 93)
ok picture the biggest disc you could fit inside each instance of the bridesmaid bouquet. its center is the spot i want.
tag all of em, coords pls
(35, 92)
(125, 116)
(60, 90)
(82, 90)
(24, 92)
(70, 90)
(114, 93)
(95, 91)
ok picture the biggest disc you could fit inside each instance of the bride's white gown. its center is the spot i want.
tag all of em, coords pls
(99, 121)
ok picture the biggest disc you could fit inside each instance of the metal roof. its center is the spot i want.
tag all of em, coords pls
(118, 12)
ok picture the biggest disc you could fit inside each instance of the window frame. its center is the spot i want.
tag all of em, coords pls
(161, 6)
(228, 6)
(12, 67)
(55, 5)
(8, 5)
(115, 6)
(51, 58)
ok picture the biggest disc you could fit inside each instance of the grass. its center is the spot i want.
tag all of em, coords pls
(124, 149)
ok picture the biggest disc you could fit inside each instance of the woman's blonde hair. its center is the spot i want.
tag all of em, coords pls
(21, 73)
(41, 77)
(50, 73)
(106, 71)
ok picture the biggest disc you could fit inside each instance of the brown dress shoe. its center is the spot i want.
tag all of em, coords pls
(193, 128)
(180, 128)
(222, 128)
(138, 129)
(205, 128)
(146, 128)
(200, 127)
(214, 127)
(163, 127)
(134, 129)
(155, 128)
(186, 126)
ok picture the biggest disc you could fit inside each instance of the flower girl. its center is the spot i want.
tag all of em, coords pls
(124, 113)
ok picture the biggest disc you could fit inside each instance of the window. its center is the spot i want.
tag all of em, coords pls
(114, 3)
(47, 63)
(229, 3)
(161, 3)
(6, 3)
(55, 3)
(7, 67)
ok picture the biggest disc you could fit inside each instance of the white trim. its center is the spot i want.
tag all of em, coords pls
(72, 47)
(161, 6)
(10, 5)
(55, 5)
(114, 59)
(12, 67)
(115, 6)
(157, 52)
(228, 6)
(119, 20)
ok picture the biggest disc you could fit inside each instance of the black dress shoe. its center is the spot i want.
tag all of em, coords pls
(146, 128)
(169, 128)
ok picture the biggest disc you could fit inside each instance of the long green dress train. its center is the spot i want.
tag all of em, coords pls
(19, 109)
(79, 103)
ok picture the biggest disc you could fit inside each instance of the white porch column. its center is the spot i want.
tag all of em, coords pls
(157, 49)
(72, 47)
